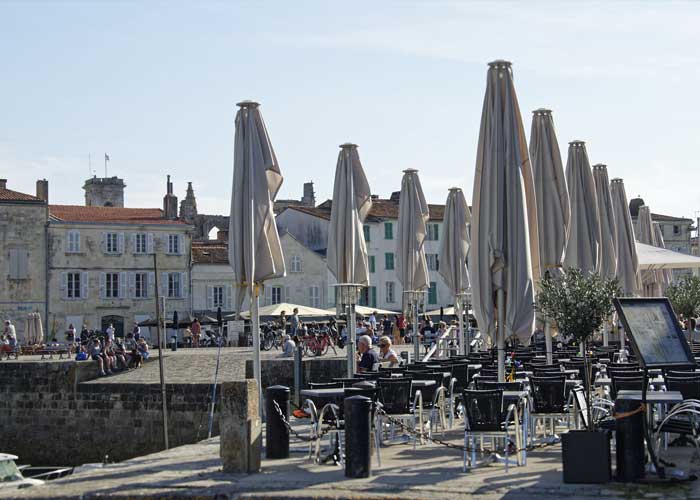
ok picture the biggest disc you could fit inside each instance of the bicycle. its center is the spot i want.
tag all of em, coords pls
(317, 342)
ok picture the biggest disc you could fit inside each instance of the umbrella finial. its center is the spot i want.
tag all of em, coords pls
(247, 104)
(616, 180)
(577, 143)
(600, 166)
(455, 189)
(500, 64)
(347, 145)
(542, 112)
(410, 171)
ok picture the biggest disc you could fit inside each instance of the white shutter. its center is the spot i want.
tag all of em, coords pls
(152, 284)
(164, 284)
(285, 295)
(22, 258)
(123, 281)
(104, 243)
(210, 298)
(76, 237)
(66, 242)
(149, 243)
(84, 284)
(181, 244)
(14, 263)
(268, 295)
(120, 243)
(228, 290)
(132, 284)
(184, 289)
(310, 296)
(64, 285)
(103, 285)
(134, 238)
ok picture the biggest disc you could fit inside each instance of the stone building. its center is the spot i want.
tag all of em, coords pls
(310, 227)
(104, 192)
(102, 270)
(23, 220)
(213, 283)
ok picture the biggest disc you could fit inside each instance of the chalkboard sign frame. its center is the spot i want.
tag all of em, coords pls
(620, 304)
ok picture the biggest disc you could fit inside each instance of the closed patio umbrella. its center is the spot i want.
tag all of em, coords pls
(504, 218)
(411, 266)
(644, 232)
(552, 199)
(584, 229)
(347, 250)
(666, 275)
(255, 253)
(453, 256)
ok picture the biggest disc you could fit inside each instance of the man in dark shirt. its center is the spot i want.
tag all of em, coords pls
(369, 360)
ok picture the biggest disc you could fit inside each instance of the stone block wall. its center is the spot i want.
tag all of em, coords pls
(281, 371)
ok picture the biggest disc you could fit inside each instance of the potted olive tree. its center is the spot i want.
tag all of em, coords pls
(578, 303)
(685, 299)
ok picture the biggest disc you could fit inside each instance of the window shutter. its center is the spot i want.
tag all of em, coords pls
(164, 284)
(309, 296)
(14, 264)
(120, 242)
(268, 295)
(184, 289)
(228, 291)
(103, 285)
(22, 258)
(151, 284)
(437, 232)
(149, 243)
(210, 297)
(134, 239)
(132, 284)
(66, 242)
(77, 240)
(104, 243)
(64, 285)
(286, 295)
(123, 281)
(84, 284)
(180, 244)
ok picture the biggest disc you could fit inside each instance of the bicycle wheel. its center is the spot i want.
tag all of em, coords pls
(323, 348)
(267, 341)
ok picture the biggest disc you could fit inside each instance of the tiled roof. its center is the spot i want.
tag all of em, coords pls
(669, 218)
(9, 195)
(113, 215)
(381, 209)
(209, 252)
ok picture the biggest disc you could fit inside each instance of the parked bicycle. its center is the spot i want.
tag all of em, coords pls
(317, 341)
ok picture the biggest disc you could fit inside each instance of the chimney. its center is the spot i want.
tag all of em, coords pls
(309, 198)
(170, 202)
(3, 183)
(42, 190)
(222, 235)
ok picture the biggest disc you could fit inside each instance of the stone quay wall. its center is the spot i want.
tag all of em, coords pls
(48, 417)
(281, 371)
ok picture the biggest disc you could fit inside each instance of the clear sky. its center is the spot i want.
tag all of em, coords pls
(155, 86)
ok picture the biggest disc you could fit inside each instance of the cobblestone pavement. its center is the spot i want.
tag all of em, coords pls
(429, 472)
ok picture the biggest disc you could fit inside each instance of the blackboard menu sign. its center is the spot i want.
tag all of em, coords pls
(656, 336)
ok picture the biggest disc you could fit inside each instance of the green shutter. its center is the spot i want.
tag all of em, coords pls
(365, 229)
(371, 263)
(437, 232)
(388, 231)
(373, 296)
(432, 293)
(389, 261)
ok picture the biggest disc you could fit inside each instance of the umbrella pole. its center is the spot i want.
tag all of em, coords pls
(416, 346)
(548, 340)
(255, 325)
(463, 337)
(606, 334)
(352, 341)
(213, 390)
(501, 334)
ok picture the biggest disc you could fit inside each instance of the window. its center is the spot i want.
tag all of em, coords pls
(371, 263)
(389, 261)
(388, 231)
(433, 262)
(676, 230)
(365, 230)
(314, 296)
(175, 244)
(140, 285)
(433, 232)
(112, 285)
(111, 242)
(218, 299)
(73, 285)
(276, 295)
(295, 266)
(73, 242)
(174, 285)
(368, 297)
(140, 243)
(19, 258)
(390, 292)
(432, 293)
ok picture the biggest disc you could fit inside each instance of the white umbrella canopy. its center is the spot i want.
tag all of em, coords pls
(504, 239)
(255, 253)
(651, 280)
(411, 265)
(666, 275)
(552, 196)
(347, 250)
(656, 258)
(584, 229)
(276, 309)
(453, 253)
(607, 252)
(365, 311)
(627, 262)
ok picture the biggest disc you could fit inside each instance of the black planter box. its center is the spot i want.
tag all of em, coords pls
(586, 456)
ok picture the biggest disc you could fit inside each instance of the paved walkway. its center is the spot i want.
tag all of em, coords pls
(430, 472)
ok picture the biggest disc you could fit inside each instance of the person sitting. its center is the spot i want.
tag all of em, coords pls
(95, 352)
(120, 354)
(142, 348)
(369, 360)
(187, 337)
(386, 353)
(288, 347)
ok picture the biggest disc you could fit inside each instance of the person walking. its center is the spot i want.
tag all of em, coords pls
(295, 321)
(196, 332)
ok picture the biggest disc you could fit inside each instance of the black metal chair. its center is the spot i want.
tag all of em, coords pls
(395, 402)
(326, 385)
(688, 385)
(549, 402)
(485, 417)
(634, 382)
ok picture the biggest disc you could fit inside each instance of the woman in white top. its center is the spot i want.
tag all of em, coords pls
(386, 353)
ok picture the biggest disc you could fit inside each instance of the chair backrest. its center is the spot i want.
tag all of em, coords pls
(688, 386)
(504, 386)
(460, 371)
(489, 372)
(347, 382)
(368, 375)
(369, 392)
(395, 395)
(626, 382)
(548, 394)
(484, 409)
(481, 380)
(326, 385)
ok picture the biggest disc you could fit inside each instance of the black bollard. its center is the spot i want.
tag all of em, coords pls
(276, 432)
(629, 436)
(358, 428)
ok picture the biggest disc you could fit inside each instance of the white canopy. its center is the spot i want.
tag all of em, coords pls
(365, 311)
(446, 311)
(651, 257)
(276, 310)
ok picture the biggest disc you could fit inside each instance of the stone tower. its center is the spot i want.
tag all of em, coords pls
(170, 202)
(309, 198)
(104, 192)
(188, 206)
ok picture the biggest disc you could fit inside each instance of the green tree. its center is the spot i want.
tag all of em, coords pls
(685, 299)
(578, 303)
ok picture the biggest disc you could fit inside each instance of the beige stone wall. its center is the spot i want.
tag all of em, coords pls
(94, 261)
(22, 225)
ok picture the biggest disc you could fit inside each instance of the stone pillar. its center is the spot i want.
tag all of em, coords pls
(241, 428)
